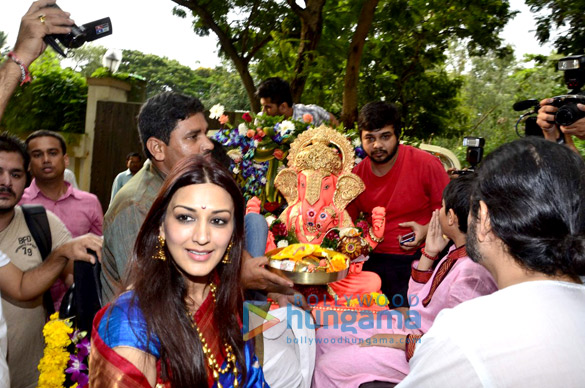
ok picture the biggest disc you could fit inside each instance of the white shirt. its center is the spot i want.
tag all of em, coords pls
(530, 334)
(4, 375)
(120, 180)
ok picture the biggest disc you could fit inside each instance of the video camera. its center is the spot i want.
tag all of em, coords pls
(574, 73)
(79, 35)
(473, 155)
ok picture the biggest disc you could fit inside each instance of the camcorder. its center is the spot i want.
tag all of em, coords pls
(574, 74)
(79, 35)
(473, 155)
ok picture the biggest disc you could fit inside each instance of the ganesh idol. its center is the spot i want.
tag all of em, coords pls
(318, 185)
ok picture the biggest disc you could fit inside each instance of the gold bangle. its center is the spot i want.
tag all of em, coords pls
(373, 236)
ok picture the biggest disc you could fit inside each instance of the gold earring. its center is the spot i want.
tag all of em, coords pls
(226, 258)
(160, 249)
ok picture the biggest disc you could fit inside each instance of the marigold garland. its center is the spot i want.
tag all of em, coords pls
(55, 358)
(64, 362)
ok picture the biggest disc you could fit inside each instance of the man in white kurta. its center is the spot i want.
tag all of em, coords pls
(526, 226)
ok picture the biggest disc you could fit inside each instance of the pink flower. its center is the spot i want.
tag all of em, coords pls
(363, 225)
(224, 119)
(279, 229)
(332, 235)
(247, 117)
(308, 118)
(260, 133)
(250, 133)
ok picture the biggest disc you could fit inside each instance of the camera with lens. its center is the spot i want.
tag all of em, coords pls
(473, 155)
(574, 74)
(79, 34)
(568, 111)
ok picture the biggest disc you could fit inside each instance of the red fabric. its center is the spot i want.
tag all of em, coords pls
(207, 327)
(420, 276)
(107, 366)
(443, 270)
(410, 191)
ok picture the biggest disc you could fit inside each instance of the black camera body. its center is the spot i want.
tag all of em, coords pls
(568, 111)
(79, 35)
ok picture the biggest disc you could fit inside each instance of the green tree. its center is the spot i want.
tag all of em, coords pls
(568, 16)
(243, 29)
(491, 86)
(86, 59)
(3, 40)
(56, 99)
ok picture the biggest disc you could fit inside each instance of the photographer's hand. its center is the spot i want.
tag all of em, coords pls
(546, 120)
(578, 127)
(40, 20)
(29, 44)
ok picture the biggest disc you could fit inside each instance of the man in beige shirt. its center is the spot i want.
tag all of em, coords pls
(25, 319)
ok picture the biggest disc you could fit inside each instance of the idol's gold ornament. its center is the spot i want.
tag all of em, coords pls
(373, 236)
(226, 258)
(160, 249)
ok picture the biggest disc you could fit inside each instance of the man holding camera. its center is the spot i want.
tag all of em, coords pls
(38, 22)
(551, 131)
(561, 117)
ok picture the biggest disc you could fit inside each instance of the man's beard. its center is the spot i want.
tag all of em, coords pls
(7, 208)
(387, 158)
(472, 246)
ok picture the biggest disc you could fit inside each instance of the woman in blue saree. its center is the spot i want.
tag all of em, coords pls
(178, 324)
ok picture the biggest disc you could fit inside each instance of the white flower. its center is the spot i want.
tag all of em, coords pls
(256, 142)
(257, 166)
(282, 244)
(356, 142)
(257, 119)
(263, 180)
(242, 129)
(236, 170)
(285, 127)
(216, 111)
(270, 220)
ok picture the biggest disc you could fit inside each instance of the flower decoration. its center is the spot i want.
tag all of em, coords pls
(64, 361)
(247, 117)
(216, 111)
(224, 119)
(278, 154)
(263, 142)
(282, 237)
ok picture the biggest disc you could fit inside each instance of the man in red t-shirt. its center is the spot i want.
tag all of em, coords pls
(408, 182)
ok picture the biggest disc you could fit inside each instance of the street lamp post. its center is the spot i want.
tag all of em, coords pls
(112, 59)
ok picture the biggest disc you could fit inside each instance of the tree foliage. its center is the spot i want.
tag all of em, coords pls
(491, 86)
(402, 59)
(3, 40)
(55, 99)
(566, 16)
(242, 27)
(86, 59)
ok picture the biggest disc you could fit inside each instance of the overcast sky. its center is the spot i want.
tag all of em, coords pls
(150, 27)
